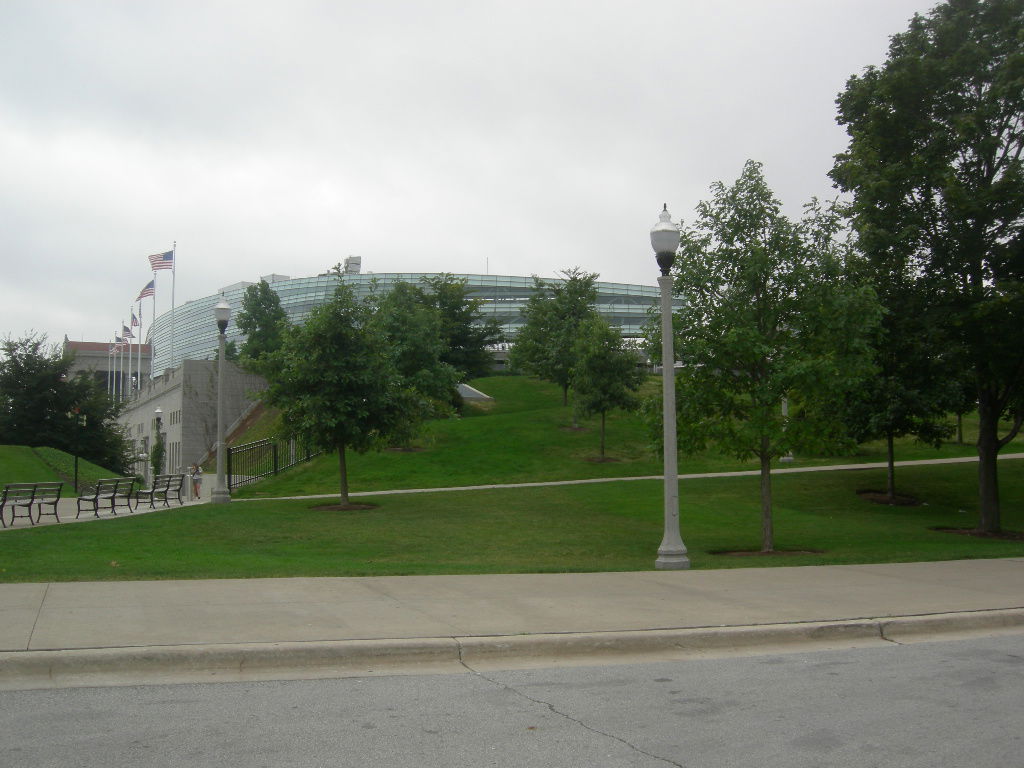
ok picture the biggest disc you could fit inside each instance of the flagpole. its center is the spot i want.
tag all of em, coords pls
(174, 272)
(131, 388)
(110, 380)
(141, 337)
(152, 325)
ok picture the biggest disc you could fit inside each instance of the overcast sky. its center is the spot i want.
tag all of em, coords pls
(503, 136)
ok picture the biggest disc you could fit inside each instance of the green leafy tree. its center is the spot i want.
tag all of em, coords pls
(466, 332)
(934, 164)
(412, 331)
(41, 405)
(156, 456)
(605, 375)
(915, 387)
(546, 344)
(336, 384)
(769, 315)
(263, 321)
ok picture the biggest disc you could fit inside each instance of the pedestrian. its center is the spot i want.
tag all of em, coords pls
(197, 480)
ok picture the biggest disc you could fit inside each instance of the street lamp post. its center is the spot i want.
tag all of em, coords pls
(157, 456)
(222, 312)
(79, 421)
(665, 241)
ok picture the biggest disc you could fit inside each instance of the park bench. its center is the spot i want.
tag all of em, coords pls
(164, 487)
(26, 495)
(116, 491)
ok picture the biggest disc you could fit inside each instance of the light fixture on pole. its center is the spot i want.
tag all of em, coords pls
(665, 241)
(222, 312)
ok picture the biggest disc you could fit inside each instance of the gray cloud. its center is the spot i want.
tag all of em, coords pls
(519, 137)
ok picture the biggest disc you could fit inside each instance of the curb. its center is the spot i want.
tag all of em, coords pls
(27, 670)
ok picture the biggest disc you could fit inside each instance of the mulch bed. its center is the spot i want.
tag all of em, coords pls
(343, 507)
(975, 533)
(882, 497)
(759, 553)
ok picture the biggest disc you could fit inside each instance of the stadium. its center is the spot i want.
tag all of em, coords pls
(190, 332)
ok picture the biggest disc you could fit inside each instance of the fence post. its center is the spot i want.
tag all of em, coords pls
(229, 452)
(275, 456)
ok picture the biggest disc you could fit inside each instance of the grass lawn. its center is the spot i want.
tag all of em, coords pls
(21, 464)
(600, 527)
(526, 435)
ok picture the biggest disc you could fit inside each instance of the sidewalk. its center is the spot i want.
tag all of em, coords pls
(109, 633)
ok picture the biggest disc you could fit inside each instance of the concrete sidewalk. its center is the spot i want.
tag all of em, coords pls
(103, 633)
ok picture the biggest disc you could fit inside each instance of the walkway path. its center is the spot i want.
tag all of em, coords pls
(67, 507)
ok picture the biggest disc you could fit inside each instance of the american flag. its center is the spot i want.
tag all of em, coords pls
(127, 332)
(162, 260)
(135, 321)
(149, 290)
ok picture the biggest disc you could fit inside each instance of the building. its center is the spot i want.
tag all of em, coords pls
(117, 371)
(184, 343)
(190, 331)
(187, 399)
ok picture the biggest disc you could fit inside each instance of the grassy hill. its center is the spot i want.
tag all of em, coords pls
(22, 464)
(527, 435)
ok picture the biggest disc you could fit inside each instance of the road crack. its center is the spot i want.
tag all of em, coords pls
(565, 715)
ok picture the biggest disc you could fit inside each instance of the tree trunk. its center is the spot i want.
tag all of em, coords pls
(988, 471)
(959, 429)
(891, 468)
(602, 434)
(565, 394)
(767, 531)
(343, 474)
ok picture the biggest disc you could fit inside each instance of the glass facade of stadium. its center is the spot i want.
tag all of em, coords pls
(503, 297)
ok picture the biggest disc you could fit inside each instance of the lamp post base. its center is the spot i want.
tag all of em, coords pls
(220, 496)
(672, 561)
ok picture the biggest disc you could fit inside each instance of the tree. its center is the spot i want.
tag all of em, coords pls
(156, 456)
(546, 344)
(915, 387)
(769, 315)
(412, 331)
(935, 168)
(41, 405)
(467, 334)
(605, 375)
(263, 321)
(336, 383)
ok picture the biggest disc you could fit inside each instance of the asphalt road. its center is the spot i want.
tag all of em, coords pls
(954, 703)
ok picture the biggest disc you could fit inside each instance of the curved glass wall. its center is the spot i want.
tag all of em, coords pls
(503, 297)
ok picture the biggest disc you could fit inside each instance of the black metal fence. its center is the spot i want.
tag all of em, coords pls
(250, 462)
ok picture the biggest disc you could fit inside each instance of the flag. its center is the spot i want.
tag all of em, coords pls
(127, 332)
(149, 290)
(162, 260)
(135, 321)
(118, 339)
